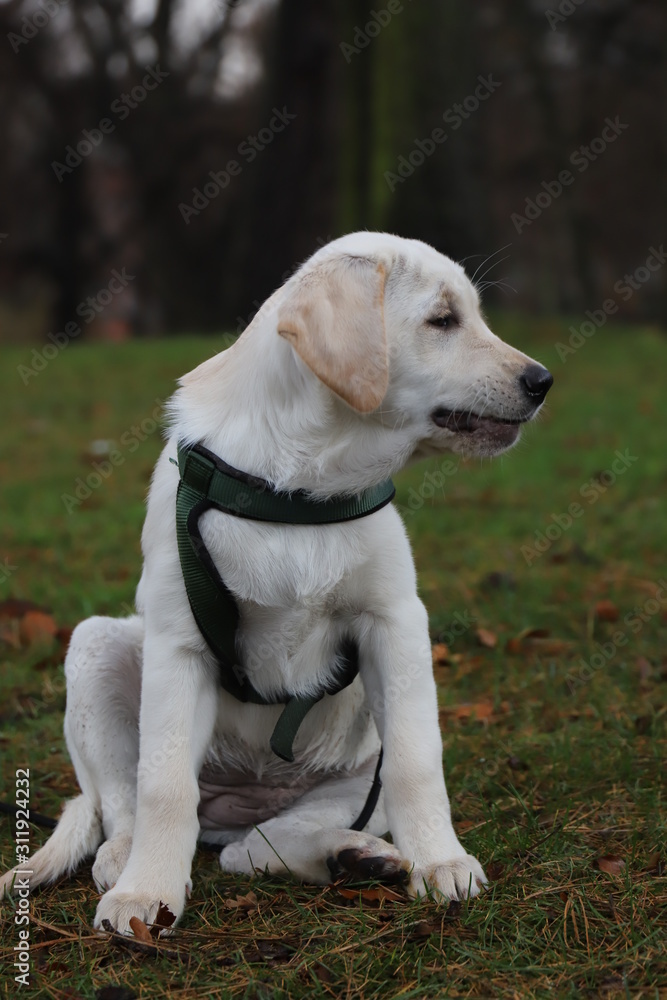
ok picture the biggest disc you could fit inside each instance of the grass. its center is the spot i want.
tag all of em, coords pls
(554, 741)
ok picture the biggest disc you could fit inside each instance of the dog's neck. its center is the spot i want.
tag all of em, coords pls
(262, 411)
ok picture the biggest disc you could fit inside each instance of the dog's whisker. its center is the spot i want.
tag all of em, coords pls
(488, 258)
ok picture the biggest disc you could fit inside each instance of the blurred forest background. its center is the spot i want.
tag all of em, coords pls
(177, 159)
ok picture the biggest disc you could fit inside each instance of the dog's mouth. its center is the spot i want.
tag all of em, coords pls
(465, 422)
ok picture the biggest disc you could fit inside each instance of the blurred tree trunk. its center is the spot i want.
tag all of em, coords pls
(289, 203)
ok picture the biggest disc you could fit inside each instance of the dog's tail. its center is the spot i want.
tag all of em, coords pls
(77, 835)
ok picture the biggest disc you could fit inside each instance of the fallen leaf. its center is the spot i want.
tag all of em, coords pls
(245, 903)
(644, 667)
(487, 638)
(440, 653)
(163, 918)
(606, 611)
(377, 895)
(537, 641)
(12, 607)
(483, 710)
(37, 627)
(611, 864)
(424, 928)
(516, 644)
(321, 972)
(655, 865)
(494, 870)
(266, 950)
(140, 930)
(63, 635)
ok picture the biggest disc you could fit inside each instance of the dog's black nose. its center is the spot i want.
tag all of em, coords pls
(536, 381)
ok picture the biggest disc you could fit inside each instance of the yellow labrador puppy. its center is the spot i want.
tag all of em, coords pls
(374, 354)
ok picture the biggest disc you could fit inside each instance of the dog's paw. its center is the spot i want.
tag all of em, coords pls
(458, 878)
(373, 861)
(116, 909)
(110, 861)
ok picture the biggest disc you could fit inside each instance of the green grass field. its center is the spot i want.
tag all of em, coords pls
(553, 713)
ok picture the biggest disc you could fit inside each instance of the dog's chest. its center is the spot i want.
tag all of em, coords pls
(292, 646)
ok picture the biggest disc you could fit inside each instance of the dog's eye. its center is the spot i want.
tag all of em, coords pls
(442, 322)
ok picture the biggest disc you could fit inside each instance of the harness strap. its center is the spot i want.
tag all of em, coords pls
(372, 800)
(208, 483)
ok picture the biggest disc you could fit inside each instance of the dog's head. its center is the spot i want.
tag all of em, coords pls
(394, 329)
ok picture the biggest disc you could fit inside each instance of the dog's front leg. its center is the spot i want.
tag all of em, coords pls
(398, 676)
(178, 710)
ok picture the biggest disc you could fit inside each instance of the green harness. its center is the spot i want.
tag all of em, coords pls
(209, 483)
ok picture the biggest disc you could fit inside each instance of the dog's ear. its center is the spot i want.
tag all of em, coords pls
(334, 320)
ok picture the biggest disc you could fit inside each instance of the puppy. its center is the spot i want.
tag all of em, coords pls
(374, 354)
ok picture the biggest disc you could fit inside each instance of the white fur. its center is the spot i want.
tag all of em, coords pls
(264, 409)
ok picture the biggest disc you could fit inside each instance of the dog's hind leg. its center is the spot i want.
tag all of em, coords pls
(103, 673)
(312, 839)
(103, 670)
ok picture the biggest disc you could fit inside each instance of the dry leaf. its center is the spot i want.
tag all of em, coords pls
(606, 611)
(611, 864)
(377, 895)
(516, 645)
(487, 638)
(163, 918)
(15, 608)
(494, 870)
(644, 667)
(482, 711)
(513, 646)
(424, 928)
(537, 640)
(440, 654)
(140, 930)
(63, 635)
(655, 866)
(245, 903)
(267, 950)
(37, 627)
